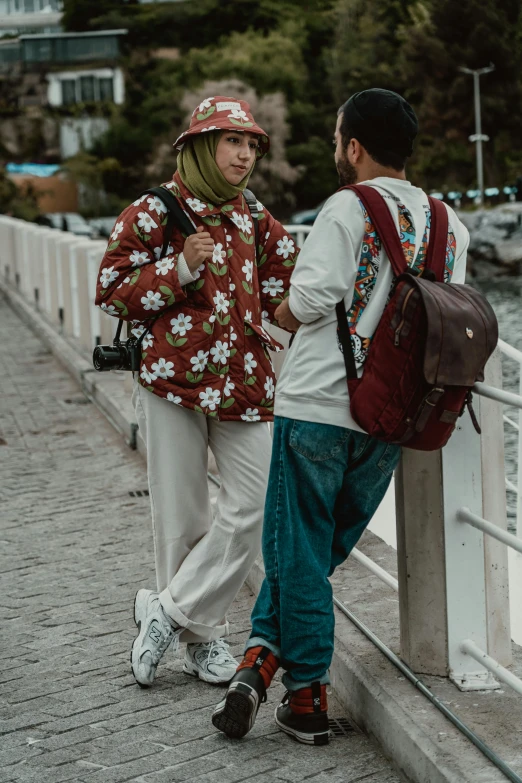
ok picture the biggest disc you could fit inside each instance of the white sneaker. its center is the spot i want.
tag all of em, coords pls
(210, 661)
(156, 633)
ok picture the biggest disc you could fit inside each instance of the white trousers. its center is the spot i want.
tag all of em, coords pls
(201, 563)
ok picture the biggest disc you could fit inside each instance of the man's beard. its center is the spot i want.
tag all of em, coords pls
(347, 172)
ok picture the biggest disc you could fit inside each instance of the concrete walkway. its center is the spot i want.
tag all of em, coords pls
(75, 547)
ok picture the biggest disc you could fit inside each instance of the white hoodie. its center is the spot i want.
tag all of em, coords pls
(312, 386)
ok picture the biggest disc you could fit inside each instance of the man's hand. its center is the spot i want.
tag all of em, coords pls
(285, 318)
(197, 248)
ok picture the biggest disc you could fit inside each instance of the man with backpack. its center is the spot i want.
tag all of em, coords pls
(328, 475)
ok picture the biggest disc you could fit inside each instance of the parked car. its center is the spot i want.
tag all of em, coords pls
(67, 221)
(103, 226)
(306, 217)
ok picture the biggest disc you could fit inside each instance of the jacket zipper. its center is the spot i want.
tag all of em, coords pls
(399, 328)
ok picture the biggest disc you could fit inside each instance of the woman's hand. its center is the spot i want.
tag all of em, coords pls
(285, 318)
(198, 248)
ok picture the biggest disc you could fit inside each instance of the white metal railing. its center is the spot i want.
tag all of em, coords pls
(513, 354)
(299, 232)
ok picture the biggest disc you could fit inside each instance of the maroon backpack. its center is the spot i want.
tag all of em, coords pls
(430, 346)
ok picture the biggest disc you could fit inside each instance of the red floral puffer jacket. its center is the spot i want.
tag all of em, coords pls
(205, 347)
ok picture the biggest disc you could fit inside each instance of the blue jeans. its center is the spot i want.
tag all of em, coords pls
(325, 485)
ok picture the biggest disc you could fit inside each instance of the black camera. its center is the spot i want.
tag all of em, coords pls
(118, 356)
(121, 355)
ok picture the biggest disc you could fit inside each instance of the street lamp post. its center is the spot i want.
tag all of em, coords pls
(478, 137)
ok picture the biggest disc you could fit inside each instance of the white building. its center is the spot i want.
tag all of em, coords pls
(18, 16)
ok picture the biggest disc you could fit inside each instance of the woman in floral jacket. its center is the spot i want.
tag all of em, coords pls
(206, 380)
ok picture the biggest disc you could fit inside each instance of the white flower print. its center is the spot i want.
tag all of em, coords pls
(152, 301)
(109, 309)
(239, 220)
(139, 201)
(265, 315)
(232, 287)
(233, 335)
(238, 114)
(197, 274)
(267, 235)
(171, 398)
(228, 388)
(221, 302)
(285, 247)
(247, 225)
(228, 238)
(259, 206)
(269, 388)
(146, 221)
(248, 270)
(250, 363)
(164, 265)
(195, 204)
(200, 361)
(219, 255)
(181, 325)
(147, 376)
(157, 205)
(206, 104)
(170, 185)
(138, 259)
(108, 276)
(163, 369)
(147, 341)
(273, 286)
(157, 251)
(248, 316)
(210, 398)
(212, 318)
(220, 352)
(251, 414)
(210, 127)
(118, 228)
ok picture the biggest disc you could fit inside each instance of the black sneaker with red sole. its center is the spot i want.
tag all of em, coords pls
(236, 714)
(311, 728)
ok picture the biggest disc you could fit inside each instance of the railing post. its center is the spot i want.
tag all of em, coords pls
(494, 509)
(442, 585)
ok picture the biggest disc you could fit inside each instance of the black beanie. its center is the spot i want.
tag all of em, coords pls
(381, 119)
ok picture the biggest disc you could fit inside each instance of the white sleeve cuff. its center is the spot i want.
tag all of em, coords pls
(184, 274)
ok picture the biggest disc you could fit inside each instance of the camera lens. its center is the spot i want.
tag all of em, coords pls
(109, 357)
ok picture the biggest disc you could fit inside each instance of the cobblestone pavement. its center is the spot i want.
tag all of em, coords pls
(75, 547)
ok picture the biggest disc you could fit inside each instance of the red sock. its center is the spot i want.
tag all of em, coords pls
(308, 700)
(262, 659)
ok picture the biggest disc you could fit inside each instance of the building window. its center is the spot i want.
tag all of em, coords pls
(68, 91)
(87, 90)
(106, 89)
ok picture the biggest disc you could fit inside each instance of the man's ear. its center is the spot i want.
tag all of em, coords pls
(354, 151)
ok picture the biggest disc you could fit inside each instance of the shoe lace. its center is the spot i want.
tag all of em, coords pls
(219, 651)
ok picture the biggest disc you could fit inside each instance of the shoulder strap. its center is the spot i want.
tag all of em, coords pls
(384, 225)
(176, 215)
(251, 201)
(436, 260)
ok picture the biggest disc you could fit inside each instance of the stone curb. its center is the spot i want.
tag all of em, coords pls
(359, 686)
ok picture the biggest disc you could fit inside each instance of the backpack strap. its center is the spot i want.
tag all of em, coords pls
(176, 215)
(436, 259)
(251, 201)
(384, 224)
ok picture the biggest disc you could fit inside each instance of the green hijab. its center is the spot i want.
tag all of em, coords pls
(199, 171)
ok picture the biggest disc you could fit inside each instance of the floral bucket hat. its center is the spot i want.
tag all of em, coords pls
(222, 113)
